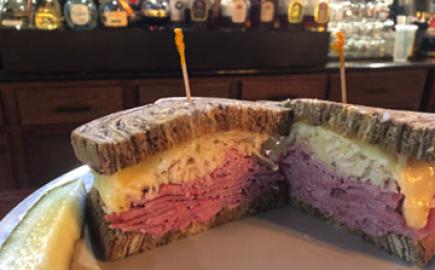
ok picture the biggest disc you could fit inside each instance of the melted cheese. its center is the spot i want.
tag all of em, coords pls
(418, 185)
(415, 178)
(185, 162)
(46, 237)
(348, 157)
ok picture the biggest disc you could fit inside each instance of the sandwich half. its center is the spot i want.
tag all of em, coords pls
(174, 168)
(369, 170)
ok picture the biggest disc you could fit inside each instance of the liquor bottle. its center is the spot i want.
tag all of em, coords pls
(133, 16)
(199, 11)
(48, 15)
(155, 13)
(215, 14)
(283, 13)
(321, 15)
(112, 14)
(177, 12)
(267, 14)
(80, 14)
(235, 13)
(15, 14)
(295, 14)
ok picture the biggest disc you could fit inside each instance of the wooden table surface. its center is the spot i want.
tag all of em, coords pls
(9, 199)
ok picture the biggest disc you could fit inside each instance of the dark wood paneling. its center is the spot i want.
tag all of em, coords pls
(2, 121)
(150, 91)
(47, 155)
(386, 89)
(432, 97)
(66, 103)
(9, 104)
(282, 87)
(6, 172)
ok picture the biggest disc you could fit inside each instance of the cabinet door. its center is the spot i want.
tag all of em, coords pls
(43, 156)
(283, 87)
(400, 89)
(6, 172)
(151, 90)
(66, 102)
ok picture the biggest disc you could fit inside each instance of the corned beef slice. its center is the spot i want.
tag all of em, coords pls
(356, 203)
(238, 181)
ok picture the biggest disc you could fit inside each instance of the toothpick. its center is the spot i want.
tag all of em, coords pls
(338, 47)
(179, 42)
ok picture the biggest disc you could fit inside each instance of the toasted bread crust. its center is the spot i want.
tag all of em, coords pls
(119, 140)
(402, 132)
(116, 244)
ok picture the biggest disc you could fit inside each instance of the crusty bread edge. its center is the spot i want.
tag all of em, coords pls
(110, 156)
(402, 132)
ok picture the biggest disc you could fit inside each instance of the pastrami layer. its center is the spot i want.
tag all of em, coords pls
(357, 203)
(238, 181)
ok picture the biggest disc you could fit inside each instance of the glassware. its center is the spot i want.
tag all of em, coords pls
(296, 18)
(199, 13)
(80, 14)
(15, 14)
(113, 14)
(267, 14)
(155, 13)
(366, 25)
(48, 15)
(235, 13)
(177, 12)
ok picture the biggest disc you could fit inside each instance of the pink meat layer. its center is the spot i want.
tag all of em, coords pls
(239, 180)
(358, 204)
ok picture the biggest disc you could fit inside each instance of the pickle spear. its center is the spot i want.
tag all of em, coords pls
(46, 236)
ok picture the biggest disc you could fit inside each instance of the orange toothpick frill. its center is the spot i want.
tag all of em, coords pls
(338, 47)
(179, 42)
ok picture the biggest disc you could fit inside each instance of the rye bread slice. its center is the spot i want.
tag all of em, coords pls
(119, 140)
(402, 132)
(417, 251)
(116, 244)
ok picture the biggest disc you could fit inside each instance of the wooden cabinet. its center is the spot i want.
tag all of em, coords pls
(39, 119)
(387, 89)
(66, 103)
(151, 90)
(6, 171)
(42, 155)
(283, 87)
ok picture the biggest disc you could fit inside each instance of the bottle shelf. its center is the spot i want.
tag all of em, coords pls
(139, 50)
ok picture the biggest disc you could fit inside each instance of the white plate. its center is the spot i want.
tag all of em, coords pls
(279, 239)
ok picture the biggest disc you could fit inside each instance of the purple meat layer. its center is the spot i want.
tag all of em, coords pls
(357, 203)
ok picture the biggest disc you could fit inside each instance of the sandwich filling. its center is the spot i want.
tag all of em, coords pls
(189, 184)
(187, 162)
(355, 183)
(358, 184)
